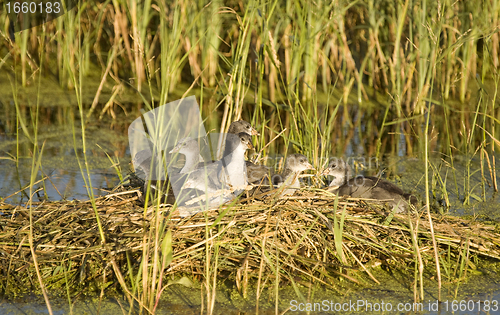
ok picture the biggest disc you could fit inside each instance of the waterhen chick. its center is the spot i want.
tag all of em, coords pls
(191, 150)
(294, 165)
(367, 187)
(230, 170)
(255, 173)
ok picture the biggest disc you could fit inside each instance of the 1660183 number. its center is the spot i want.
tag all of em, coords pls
(33, 7)
(471, 306)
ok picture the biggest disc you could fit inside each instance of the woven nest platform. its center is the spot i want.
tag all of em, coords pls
(295, 234)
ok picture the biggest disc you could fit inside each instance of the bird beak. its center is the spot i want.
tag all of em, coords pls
(174, 150)
(309, 166)
(250, 145)
(255, 132)
(324, 172)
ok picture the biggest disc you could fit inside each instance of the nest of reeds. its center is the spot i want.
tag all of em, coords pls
(312, 235)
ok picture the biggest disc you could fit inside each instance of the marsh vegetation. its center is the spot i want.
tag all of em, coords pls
(376, 80)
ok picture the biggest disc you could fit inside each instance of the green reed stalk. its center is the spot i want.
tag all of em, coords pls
(236, 89)
(439, 184)
(171, 60)
(396, 59)
(211, 303)
(35, 166)
(66, 53)
(427, 202)
(447, 263)
(203, 39)
(77, 81)
(277, 266)
(429, 82)
(263, 21)
(464, 260)
(36, 163)
(166, 259)
(140, 18)
(381, 133)
(424, 49)
(155, 245)
(468, 190)
(67, 284)
(449, 138)
(468, 55)
(482, 147)
(115, 163)
(338, 228)
(419, 264)
(493, 133)
(208, 257)
(24, 52)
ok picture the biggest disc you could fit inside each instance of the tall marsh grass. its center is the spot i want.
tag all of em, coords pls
(279, 63)
(330, 74)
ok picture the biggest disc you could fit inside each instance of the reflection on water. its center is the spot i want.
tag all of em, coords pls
(62, 184)
(465, 188)
(59, 164)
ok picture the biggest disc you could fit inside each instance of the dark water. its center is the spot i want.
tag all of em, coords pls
(60, 164)
(468, 191)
